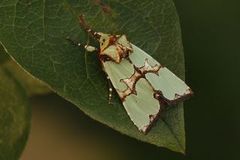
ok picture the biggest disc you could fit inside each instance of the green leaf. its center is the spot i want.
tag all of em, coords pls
(14, 117)
(34, 34)
(32, 85)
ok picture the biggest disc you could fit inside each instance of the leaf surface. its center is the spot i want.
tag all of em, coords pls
(32, 85)
(34, 32)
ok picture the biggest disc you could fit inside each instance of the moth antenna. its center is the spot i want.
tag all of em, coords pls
(73, 42)
(88, 29)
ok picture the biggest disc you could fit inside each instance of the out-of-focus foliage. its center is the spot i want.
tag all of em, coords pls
(14, 117)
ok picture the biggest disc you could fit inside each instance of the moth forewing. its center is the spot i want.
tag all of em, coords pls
(122, 40)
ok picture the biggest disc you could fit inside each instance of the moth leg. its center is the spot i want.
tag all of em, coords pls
(87, 47)
(110, 90)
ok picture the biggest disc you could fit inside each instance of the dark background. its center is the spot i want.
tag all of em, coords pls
(211, 37)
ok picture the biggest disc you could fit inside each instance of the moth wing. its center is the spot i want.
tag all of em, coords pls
(122, 40)
(142, 108)
(171, 87)
(116, 72)
(109, 52)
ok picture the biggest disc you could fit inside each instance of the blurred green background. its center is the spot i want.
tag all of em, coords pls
(211, 37)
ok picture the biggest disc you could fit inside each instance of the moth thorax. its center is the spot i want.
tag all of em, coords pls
(115, 47)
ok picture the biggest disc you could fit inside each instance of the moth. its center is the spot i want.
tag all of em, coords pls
(142, 83)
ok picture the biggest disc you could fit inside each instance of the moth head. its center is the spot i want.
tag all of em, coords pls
(103, 40)
(114, 47)
(106, 40)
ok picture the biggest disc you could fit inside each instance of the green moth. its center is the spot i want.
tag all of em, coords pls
(143, 84)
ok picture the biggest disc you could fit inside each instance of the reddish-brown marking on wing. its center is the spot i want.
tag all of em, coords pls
(138, 73)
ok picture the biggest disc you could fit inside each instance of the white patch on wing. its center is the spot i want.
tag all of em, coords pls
(143, 107)
(116, 72)
(139, 56)
(168, 83)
